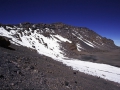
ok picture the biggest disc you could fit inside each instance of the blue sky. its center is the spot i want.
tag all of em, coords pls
(101, 16)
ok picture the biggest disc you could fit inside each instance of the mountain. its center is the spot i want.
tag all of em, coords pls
(56, 38)
(32, 50)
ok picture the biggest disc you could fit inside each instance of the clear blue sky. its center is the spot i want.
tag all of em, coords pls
(102, 16)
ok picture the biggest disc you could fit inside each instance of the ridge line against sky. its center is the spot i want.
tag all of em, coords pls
(102, 16)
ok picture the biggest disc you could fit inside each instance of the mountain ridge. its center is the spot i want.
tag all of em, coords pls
(58, 25)
(69, 39)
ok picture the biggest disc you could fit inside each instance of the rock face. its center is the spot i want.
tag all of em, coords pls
(4, 42)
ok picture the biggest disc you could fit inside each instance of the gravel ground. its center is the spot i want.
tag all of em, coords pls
(23, 68)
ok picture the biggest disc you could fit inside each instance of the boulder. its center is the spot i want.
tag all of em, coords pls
(4, 41)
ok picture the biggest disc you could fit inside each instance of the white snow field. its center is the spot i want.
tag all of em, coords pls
(100, 70)
(53, 50)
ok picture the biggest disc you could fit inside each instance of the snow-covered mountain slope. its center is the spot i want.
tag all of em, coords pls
(49, 46)
(60, 41)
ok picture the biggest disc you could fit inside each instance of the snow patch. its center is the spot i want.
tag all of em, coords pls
(62, 39)
(100, 70)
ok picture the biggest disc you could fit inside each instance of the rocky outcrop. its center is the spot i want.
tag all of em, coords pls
(72, 46)
(4, 42)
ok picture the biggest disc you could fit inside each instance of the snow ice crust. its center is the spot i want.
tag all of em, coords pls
(52, 50)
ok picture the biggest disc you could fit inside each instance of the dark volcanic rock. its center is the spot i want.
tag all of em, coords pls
(4, 41)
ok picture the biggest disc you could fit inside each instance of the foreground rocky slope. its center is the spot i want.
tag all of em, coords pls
(23, 68)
